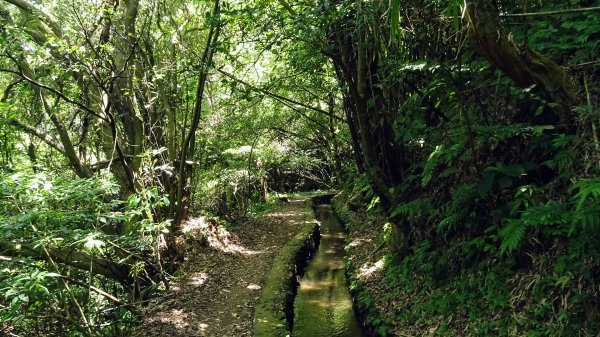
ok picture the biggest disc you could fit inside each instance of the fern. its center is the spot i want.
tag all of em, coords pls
(451, 221)
(587, 188)
(586, 214)
(492, 136)
(414, 208)
(431, 164)
(562, 160)
(512, 234)
(459, 209)
(588, 218)
(551, 217)
(362, 186)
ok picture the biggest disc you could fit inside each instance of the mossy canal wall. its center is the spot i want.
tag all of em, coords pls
(274, 313)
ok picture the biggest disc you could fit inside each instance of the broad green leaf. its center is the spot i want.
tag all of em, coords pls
(486, 183)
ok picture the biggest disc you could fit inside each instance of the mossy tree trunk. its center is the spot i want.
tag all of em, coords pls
(371, 113)
(523, 65)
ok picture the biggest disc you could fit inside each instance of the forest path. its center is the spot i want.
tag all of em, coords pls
(220, 281)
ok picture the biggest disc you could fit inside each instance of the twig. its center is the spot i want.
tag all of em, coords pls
(103, 293)
(157, 269)
(52, 90)
(589, 102)
(87, 330)
(557, 12)
(584, 65)
(276, 96)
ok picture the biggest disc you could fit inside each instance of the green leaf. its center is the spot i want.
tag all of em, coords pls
(512, 234)
(486, 183)
(374, 202)
(514, 170)
(395, 19)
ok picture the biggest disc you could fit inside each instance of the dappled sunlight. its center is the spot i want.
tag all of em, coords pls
(330, 251)
(338, 235)
(202, 327)
(326, 303)
(307, 285)
(216, 236)
(186, 323)
(284, 214)
(358, 242)
(176, 317)
(198, 279)
(294, 218)
(227, 245)
(369, 269)
(253, 287)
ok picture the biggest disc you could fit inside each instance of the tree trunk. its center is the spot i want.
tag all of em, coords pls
(335, 149)
(188, 146)
(370, 114)
(525, 66)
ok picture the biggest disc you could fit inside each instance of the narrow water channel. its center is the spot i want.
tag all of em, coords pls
(323, 307)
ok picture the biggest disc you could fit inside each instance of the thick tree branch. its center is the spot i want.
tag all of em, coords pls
(525, 66)
(26, 6)
(41, 135)
(117, 271)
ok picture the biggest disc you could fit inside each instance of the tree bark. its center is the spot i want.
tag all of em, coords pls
(371, 114)
(188, 146)
(117, 271)
(525, 66)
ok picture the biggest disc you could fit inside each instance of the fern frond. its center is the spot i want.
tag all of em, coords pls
(430, 165)
(588, 218)
(417, 207)
(587, 188)
(450, 221)
(512, 234)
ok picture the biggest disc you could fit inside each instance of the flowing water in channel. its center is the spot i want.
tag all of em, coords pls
(323, 307)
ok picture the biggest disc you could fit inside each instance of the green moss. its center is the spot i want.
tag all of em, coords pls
(367, 313)
(274, 311)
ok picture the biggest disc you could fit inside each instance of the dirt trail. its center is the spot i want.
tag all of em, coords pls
(220, 282)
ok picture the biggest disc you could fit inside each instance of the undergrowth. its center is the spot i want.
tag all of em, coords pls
(501, 256)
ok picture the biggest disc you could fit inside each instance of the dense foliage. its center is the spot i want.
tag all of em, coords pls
(74, 254)
(470, 127)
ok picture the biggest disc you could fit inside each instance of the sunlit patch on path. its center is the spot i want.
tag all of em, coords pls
(217, 237)
(198, 279)
(369, 268)
(219, 282)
